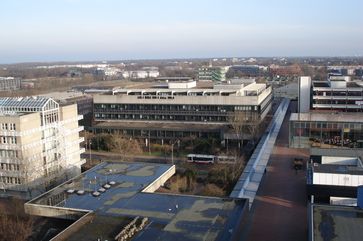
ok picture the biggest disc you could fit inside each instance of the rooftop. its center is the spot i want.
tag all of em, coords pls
(337, 223)
(26, 104)
(179, 217)
(337, 169)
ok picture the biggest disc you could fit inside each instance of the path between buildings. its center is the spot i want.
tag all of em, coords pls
(279, 210)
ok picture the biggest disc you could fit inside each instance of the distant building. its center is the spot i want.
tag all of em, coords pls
(39, 144)
(9, 83)
(146, 72)
(246, 70)
(215, 74)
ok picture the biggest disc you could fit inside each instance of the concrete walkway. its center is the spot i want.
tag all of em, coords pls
(279, 210)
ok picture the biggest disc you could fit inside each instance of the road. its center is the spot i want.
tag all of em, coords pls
(279, 211)
(109, 156)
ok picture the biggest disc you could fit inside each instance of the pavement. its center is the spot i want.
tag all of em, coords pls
(279, 211)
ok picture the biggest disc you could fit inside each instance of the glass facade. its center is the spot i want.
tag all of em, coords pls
(326, 134)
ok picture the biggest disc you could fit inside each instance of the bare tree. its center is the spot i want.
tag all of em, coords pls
(124, 145)
(15, 225)
(243, 123)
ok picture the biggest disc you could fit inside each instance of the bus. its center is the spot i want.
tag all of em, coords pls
(198, 158)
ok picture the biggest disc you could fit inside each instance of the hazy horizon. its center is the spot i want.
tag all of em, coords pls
(95, 30)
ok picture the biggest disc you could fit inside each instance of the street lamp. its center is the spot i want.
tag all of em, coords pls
(172, 150)
(90, 150)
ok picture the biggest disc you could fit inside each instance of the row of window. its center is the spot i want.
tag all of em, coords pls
(9, 167)
(8, 153)
(8, 140)
(220, 108)
(10, 180)
(162, 134)
(329, 125)
(180, 117)
(338, 93)
(8, 126)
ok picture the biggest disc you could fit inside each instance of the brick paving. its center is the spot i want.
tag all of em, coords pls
(279, 211)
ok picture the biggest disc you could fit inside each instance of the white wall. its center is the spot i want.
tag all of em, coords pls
(304, 94)
(337, 160)
(337, 179)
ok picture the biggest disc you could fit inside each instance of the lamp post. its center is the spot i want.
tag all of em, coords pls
(90, 150)
(172, 150)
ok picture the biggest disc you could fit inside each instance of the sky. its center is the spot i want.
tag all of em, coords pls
(89, 30)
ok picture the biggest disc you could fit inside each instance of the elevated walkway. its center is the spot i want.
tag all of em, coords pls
(248, 183)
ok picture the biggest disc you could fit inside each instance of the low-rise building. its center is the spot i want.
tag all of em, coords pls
(182, 107)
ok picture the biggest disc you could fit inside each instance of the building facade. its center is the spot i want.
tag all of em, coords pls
(338, 93)
(40, 144)
(180, 110)
(326, 130)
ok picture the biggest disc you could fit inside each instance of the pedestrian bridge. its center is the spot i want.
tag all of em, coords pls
(248, 183)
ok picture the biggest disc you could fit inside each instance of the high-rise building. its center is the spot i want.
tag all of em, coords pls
(39, 144)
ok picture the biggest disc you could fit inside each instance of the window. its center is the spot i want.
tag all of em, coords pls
(13, 140)
(4, 140)
(12, 126)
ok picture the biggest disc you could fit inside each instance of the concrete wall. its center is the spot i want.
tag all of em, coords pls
(65, 234)
(304, 94)
(152, 187)
(54, 212)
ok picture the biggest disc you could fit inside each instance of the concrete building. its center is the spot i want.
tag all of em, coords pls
(9, 83)
(39, 144)
(117, 201)
(215, 74)
(179, 109)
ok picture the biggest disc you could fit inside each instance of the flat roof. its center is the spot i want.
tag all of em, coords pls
(64, 95)
(170, 216)
(337, 169)
(328, 117)
(337, 223)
